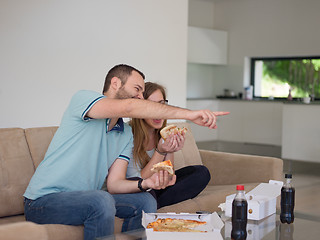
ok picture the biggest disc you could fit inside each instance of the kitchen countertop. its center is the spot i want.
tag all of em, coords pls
(317, 102)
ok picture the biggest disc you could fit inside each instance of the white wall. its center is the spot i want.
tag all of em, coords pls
(201, 13)
(200, 77)
(256, 28)
(50, 49)
(267, 28)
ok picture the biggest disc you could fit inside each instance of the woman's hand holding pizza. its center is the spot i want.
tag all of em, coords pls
(173, 143)
(159, 180)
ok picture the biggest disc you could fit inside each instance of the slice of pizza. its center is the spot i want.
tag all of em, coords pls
(171, 129)
(165, 166)
(175, 225)
(188, 223)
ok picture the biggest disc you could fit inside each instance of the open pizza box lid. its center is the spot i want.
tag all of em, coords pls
(261, 200)
(212, 228)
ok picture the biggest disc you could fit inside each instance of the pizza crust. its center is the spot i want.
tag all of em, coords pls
(164, 166)
(171, 129)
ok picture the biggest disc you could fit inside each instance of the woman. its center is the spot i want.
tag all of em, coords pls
(150, 148)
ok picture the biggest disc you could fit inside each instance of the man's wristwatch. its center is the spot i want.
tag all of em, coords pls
(141, 188)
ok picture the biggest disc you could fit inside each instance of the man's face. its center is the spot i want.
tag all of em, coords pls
(133, 88)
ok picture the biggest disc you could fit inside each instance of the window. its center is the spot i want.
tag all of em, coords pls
(275, 77)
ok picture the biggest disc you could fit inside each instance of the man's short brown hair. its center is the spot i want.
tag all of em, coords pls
(121, 71)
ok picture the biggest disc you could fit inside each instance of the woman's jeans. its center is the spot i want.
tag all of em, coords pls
(95, 210)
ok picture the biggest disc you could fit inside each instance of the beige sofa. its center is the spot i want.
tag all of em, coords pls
(21, 151)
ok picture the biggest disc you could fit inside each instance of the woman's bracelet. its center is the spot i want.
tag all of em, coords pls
(161, 153)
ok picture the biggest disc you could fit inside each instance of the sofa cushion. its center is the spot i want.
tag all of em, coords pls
(39, 140)
(12, 219)
(187, 206)
(189, 155)
(63, 232)
(23, 231)
(16, 170)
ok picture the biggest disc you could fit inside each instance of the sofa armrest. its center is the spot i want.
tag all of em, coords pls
(231, 168)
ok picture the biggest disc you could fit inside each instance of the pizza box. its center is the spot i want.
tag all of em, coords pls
(262, 200)
(212, 228)
(255, 229)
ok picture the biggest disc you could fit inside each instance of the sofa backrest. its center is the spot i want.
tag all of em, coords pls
(189, 155)
(38, 140)
(16, 170)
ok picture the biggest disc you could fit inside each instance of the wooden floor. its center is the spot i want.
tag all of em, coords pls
(306, 175)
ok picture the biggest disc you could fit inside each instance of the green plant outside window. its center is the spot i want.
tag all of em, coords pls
(275, 77)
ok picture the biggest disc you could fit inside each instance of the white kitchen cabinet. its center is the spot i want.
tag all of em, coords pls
(301, 132)
(294, 126)
(207, 46)
(251, 122)
(248, 121)
(202, 133)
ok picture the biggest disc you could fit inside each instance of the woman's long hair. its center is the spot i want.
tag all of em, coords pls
(140, 130)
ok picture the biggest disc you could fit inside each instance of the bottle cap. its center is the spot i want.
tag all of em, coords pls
(240, 187)
(288, 175)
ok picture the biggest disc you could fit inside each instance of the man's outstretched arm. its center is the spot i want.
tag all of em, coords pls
(138, 108)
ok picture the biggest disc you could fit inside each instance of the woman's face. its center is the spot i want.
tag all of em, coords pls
(156, 96)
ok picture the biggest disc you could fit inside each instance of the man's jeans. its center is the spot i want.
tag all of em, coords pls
(93, 209)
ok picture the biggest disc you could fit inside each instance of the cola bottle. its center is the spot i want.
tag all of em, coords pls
(239, 215)
(287, 201)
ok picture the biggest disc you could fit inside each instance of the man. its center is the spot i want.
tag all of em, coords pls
(93, 144)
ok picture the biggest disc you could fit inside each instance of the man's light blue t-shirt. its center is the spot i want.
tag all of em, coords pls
(81, 152)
